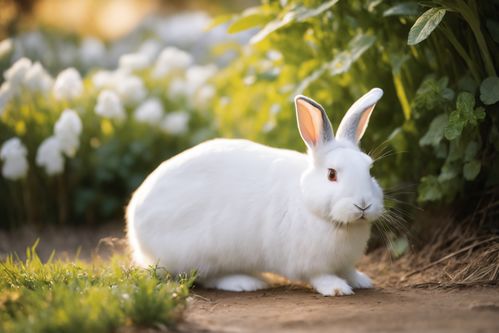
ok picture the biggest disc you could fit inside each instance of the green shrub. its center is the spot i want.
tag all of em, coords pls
(434, 61)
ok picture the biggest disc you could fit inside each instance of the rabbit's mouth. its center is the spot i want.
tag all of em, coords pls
(343, 224)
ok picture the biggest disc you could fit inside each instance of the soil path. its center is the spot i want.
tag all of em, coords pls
(288, 309)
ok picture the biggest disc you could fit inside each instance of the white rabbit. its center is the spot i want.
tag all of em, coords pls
(232, 209)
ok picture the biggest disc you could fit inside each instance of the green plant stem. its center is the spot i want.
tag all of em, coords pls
(462, 52)
(470, 15)
(62, 199)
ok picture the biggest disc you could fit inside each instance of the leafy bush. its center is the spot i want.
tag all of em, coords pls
(434, 61)
(79, 297)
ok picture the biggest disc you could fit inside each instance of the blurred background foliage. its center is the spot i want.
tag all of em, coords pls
(434, 132)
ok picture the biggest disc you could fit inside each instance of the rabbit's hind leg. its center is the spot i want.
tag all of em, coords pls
(235, 282)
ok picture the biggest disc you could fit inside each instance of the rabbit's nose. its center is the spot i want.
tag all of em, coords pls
(363, 206)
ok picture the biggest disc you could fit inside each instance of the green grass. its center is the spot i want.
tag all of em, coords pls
(59, 296)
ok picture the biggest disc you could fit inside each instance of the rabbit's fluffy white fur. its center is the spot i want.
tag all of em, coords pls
(232, 209)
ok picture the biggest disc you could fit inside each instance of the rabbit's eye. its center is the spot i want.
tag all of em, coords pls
(332, 175)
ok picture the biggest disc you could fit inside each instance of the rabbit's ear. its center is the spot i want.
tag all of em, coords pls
(354, 123)
(313, 123)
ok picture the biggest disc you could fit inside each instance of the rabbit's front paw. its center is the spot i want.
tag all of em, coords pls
(331, 285)
(238, 282)
(360, 280)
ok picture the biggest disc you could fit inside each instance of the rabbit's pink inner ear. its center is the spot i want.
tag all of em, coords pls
(309, 121)
(363, 122)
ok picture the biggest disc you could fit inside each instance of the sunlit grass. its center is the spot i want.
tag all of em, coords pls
(59, 296)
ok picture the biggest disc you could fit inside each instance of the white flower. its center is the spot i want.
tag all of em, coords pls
(92, 51)
(196, 76)
(171, 59)
(204, 95)
(176, 123)
(109, 105)
(195, 79)
(13, 153)
(103, 79)
(150, 48)
(49, 156)
(67, 130)
(68, 84)
(150, 112)
(177, 87)
(17, 72)
(131, 89)
(6, 47)
(37, 79)
(134, 61)
(6, 94)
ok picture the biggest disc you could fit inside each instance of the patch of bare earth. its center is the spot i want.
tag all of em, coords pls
(288, 309)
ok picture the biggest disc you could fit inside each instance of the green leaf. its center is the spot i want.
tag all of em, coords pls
(456, 151)
(341, 63)
(464, 115)
(403, 9)
(471, 151)
(480, 113)
(356, 47)
(251, 18)
(435, 132)
(299, 14)
(309, 80)
(399, 246)
(308, 13)
(471, 169)
(465, 103)
(273, 26)
(429, 189)
(449, 171)
(441, 150)
(454, 127)
(219, 20)
(360, 44)
(489, 90)
(425, 25)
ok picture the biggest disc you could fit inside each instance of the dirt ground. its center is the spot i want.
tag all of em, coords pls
(288, 309)
(393, 306)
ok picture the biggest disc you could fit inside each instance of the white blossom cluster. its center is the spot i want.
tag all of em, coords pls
(66, 140)
(13, 154)
(122, 88)
(170, 60)
(109, 105)
(128, 87)
(49, 156)
(176, 123)
(194, 86)
(23, 74)
(152, 112)
(149, 112)
(116, 90)
(68, 85)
